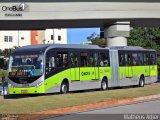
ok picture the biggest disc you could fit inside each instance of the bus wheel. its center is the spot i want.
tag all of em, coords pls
(104, 84)
(64, 88)
(141, 82)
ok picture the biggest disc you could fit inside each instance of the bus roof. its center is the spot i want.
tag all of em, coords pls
(135, 48)
(44, 47)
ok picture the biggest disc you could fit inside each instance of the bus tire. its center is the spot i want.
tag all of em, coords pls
(104, 84)
(64, 87)
(141, 81)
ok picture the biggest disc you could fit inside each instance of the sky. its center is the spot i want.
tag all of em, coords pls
(79, 35)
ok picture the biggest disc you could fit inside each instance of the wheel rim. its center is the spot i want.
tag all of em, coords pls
(104, 86)
(64, 88)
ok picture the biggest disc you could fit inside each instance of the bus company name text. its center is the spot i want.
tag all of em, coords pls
(85, 73)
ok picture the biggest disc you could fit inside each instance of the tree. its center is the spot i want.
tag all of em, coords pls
(144, 37)
(148, 38)
(7, 52)
(96, 40)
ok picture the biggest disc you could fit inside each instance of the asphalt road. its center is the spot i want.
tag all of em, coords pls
(148, 110)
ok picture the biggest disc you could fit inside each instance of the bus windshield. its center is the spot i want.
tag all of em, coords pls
(29, 65)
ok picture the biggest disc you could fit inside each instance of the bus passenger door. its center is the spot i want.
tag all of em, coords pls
(85, 70)
(74, 67)
(146, 63)
(88, 71)
(129, 72)
(153, 67)
(93, 63)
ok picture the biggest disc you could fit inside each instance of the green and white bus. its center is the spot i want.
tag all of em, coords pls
(52, 68)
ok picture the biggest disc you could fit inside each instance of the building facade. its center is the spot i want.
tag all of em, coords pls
(55, 36)
(10, 39)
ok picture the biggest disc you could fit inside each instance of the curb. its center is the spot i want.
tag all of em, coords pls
(69, 110)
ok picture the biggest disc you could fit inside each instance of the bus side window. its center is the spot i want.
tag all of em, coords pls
(104, 59)
(91, 60)
(50, 62)
(62, 59)
(128, 60)
(73, 60)
(134, 59)
(152, 59)
(121, 59)
(146, 59)
(95, 56)
(84, 61)
(140, 59)
(58, 60)
(71, 57)
(137, 59)
(65, 60)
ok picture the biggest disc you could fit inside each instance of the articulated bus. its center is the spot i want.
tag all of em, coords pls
(52, 68)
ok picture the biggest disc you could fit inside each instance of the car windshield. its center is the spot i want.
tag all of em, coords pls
(29, 65)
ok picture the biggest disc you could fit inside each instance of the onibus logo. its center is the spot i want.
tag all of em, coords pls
(15, 8)
(85, 73)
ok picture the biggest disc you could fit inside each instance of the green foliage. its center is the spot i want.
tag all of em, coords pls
(3, 73)
(96, 40)
(146, 37)
(7, 52)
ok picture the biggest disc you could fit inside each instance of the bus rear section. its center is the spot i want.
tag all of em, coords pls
(137, 67)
